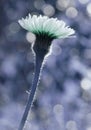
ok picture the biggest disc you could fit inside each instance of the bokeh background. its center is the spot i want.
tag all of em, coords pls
(63, 99)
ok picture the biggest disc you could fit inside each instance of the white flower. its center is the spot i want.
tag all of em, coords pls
(42, 25)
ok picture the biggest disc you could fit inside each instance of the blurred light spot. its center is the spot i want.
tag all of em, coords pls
(71, 12)
(56, 50)
(83, 1)
(62, 4)
(86, 84)
(88, 128)
(86, 96)
(44, 113)
(71, 125)
(48, 10)
(59, 114)
(30, 37)
(58, 109)
(89, 9)
(38, 4)
(13, 28)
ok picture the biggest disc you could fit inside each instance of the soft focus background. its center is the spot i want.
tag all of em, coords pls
(63, 99)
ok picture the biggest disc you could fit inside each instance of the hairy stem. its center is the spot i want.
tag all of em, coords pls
(38, 64)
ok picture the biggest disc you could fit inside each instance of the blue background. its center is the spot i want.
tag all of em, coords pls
(63, 98)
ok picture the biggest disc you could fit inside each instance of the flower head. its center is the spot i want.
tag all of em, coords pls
(46, 27)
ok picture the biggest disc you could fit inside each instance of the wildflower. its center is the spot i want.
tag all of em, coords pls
(44, 26)
(46, 29)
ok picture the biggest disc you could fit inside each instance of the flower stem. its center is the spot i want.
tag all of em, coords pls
(38, 64)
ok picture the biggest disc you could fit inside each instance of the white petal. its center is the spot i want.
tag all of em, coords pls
(52, 26)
